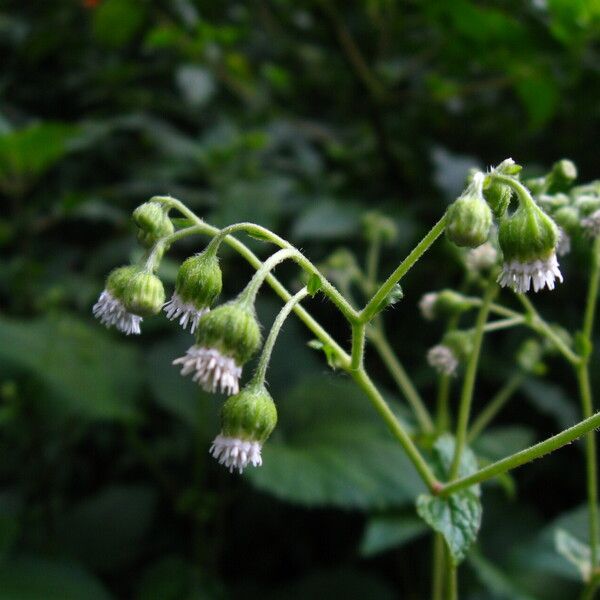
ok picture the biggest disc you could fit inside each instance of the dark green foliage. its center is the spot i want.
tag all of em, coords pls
(300, 116)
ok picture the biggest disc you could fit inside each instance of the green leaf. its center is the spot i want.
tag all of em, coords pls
(458, 517)
(36, 578)
(576, 552)
(327, 220)
(106, 531)
(314, 284)
(386, 532)
(117, 21)
(330, 438)
(87, 372)
(551, 399)
(499, 442)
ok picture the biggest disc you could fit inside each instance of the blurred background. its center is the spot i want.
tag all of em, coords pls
(301, 116)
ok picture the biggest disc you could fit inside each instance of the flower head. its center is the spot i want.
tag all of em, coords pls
(442, 359)
(226, 339)
(591, 224)
(130, 294)
(153, 223)
(427, 305)
(199, 282)
(481, 258)
(247, 420)
(528, 239)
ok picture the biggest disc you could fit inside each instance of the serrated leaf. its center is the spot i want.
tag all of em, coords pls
(457, 517)
(330, 438)
(385, 532)
(314, 284)
(576, 552)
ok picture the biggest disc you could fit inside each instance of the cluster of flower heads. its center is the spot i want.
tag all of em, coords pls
(226, 337)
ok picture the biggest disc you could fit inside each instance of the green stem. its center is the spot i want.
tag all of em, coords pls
(452, 572)
(443, 398)
(402, 379)
(248, 294)
(524, 456)
(589, 591)
(468, 387)
(495, 405)
(439, 568)
(522, 192)
(372, 307)
(314, 326)
(265, 357)
(585, 390)
(358, 345)
(503, 324)
(397, 429)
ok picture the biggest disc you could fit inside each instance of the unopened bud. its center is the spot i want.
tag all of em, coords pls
(153, 223)
(144, 294)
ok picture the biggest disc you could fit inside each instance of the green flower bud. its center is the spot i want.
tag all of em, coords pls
(498, 195)
(562, 176)
(568, 218)
(199, 283)
(587, 204)
(144, 294)
(443, 304)
(456, 346)
(529, 357)
(460, 342)
(375, 224)
(528, 240)
(552, 202)
(469, 218)
(247, 419)
(118, 278)
(153, 223)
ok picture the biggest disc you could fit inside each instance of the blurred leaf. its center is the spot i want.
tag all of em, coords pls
(497, 582)
(457, 517)
(314, 284)
(575, 552)
(500, 442)
(552, 400)
(327, 220)
(88, 373)
(117, 21)
(36, 578)
(387, 532)
(106, 531)
(539, 93)
(9, 522)
(330, 439)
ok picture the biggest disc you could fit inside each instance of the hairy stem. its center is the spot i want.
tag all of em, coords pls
(358, 345)
(372, 307)
(402, 379)
(265, 357)
(466, 397)
(524, 456)
(397, 429)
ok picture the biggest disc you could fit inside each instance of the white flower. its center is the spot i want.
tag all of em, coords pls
(442, 359)
(481, 258)
(213, 371)
(112, 313)
(564, 242)
(237, 454)
(591, 224)
(186, 312)
(519, 276)
(427, 305)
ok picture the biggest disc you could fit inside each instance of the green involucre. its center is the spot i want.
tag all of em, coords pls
(143, 294)
(232, 329)
(250, 415)
(469, 220)
(153, 223)
(527, 235)
(199, 280)
(498, 196)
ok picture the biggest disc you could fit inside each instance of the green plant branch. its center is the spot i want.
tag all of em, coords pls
(438, 568)
(372, 307)
(496, 404)
(524, 456)
(380, 342)
(398, 431)
(267, 351)
(466, 397)
(503, 324)
(358, 345)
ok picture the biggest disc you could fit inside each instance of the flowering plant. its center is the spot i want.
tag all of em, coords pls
(511, 233)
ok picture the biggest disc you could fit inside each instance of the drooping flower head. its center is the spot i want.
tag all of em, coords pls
(153, 223)
(444, 303)
(528, 239)
(247, 420)
(469, 218)
(131, 293)
(199, 283)
(226, 339)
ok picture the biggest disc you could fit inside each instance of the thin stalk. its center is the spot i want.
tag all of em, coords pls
(495, 405)
(402, 379)
(503, 324)
(439, 568)
(524, 456)
(372, 307)
(265, 357)
(442, 408)
(468, 387)
(452, 572)
(358, 345)
(396, 428)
